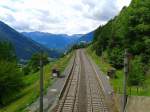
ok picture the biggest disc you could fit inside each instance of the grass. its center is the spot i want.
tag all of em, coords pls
(117, 83)
(30, 93)
(99, 61)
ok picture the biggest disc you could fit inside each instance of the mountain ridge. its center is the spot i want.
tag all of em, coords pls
(61, 42)
(24, 46)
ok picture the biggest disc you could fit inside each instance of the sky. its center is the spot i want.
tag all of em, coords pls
(59, 16)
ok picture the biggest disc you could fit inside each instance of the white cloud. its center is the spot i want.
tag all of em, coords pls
(59, 16)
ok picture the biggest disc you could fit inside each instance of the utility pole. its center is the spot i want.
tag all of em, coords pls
(102, 53)
(41, 81)
(126, 70)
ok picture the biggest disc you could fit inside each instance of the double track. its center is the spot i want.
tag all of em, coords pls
(82, 91)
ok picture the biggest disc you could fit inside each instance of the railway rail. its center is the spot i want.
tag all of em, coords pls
(82, 91)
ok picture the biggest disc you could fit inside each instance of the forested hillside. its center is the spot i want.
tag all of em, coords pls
(131, 30)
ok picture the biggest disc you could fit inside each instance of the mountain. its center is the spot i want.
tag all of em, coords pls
(86, 38)
(60, 42)
(24, 46)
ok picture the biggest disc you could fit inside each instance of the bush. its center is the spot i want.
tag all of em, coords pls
(136, 72)
(116, 57)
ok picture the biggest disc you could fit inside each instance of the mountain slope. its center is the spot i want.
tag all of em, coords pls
(60, 42)
(130, 29)
(87, 37)
(24, 46)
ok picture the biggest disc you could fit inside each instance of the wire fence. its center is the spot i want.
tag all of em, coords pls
(136, 90)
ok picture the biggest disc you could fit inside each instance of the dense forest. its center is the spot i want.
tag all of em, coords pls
(129, 30)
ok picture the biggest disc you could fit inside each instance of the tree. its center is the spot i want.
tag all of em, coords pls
(7, 51)
(136, 73)
(10, 81)
(130, 29)
(10, 74)
(35, 59)
(116, 57)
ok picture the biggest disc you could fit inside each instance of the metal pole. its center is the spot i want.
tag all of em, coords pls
(126, 69)
(41, 83)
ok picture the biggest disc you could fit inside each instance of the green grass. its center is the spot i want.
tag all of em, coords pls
(30, 93)
(99, 61)
(117, 83)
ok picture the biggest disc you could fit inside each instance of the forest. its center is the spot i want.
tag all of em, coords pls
(129, 30)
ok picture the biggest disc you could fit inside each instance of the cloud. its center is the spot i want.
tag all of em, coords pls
(23, 26)
(102, 10)
(59, 16)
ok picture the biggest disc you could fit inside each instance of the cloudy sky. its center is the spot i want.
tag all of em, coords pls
(59, 16)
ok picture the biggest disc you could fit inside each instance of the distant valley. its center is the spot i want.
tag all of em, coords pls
(23, 46)
(59, 42)
(28, 43)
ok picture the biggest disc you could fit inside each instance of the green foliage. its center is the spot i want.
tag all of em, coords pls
(78, 46)
(136, 75)
(146, 53)
(117, 83)
(30, 92)
(35, 62)
(10, 75)
(10, 81)
(116, 57)
(7, 51)
(96, 33)
(130, 29)
(26, 70)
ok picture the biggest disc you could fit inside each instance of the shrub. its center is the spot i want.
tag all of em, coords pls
(136, 72)
(116, 57)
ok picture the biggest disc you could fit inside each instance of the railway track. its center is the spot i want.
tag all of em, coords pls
(82, 91)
